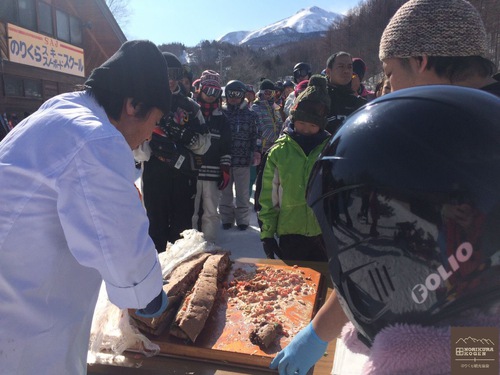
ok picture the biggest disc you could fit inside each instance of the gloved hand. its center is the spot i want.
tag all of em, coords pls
(270, 247)
(154, 308)
(301, 354)
(181, 133)
(225, 175)
(256, 158)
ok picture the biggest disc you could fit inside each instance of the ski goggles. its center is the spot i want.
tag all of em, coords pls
(301, 73)
(211, 91)
(235, 94)
(175, 74)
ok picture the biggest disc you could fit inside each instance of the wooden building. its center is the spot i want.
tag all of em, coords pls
(49, 46)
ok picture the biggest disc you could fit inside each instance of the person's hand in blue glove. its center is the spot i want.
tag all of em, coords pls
(301, 354)
(154, 308)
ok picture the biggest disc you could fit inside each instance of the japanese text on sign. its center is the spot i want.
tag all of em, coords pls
(29, 48)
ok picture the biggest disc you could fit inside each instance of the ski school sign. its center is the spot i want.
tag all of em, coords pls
(30, 48)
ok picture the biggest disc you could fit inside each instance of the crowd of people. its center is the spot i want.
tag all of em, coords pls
(312, 146)
(205, 157)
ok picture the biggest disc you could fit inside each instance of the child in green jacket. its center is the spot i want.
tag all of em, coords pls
(282, 209)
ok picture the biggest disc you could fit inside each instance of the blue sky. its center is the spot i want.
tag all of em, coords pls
(191, 21)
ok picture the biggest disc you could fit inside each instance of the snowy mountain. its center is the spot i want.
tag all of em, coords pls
(305, 23)
(234, 37)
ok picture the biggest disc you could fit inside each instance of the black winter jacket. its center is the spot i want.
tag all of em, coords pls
(220, 147)
(343, 102)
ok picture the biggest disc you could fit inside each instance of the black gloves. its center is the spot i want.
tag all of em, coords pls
(270, 247)
(179, 133)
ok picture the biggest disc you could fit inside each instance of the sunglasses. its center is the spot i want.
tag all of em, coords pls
(235, 94)
(175, 74)
(269, 92)
(211, 91)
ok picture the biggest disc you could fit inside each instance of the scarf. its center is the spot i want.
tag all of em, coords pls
(306, 142)
(207, 108)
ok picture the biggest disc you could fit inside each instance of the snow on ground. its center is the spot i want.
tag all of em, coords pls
(242, 243)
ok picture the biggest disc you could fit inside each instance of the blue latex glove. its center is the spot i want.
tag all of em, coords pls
(154, 308)
(301, 354)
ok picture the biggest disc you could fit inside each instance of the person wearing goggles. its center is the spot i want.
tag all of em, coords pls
(245, 152)
(270, 119)
(214, 173)
(230, 94)
(301, 71)
(169, 176)
(213, 92)
(268, 112)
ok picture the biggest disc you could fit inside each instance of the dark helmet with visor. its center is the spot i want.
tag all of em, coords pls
(235, 89)
(407, 193)
(301, 69)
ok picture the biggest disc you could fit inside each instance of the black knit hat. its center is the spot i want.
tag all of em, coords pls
(313, 104)
(137, 70)
(267, 84)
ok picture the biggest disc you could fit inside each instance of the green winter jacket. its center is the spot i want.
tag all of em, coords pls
(282, 197)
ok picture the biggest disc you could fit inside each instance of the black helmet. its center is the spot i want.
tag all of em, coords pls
(288, 83)
(279, 86)
(175, 71)
(236, 85)
(407, 193)
(300, 70)
(236, 89)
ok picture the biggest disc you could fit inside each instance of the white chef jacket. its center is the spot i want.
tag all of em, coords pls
(70, 217)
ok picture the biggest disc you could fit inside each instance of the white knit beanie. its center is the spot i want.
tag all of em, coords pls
(434, 28)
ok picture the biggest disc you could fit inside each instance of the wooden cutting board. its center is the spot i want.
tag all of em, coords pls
(225, 337)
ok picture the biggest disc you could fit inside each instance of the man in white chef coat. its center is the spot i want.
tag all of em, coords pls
(70, 215)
